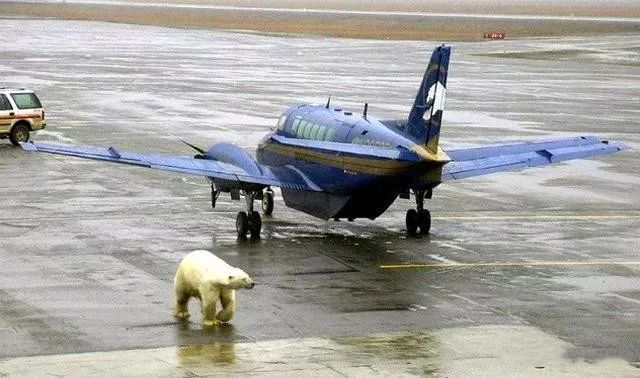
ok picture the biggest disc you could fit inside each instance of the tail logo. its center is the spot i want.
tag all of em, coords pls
(435, 100)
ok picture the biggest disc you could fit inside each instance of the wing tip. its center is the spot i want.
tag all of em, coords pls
(619, 146)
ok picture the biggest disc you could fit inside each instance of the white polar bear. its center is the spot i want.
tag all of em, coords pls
(203, 275)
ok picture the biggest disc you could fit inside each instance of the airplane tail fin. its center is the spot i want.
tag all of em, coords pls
(423, 125)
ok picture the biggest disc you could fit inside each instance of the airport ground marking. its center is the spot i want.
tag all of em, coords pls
(508, 264)
(536, 217)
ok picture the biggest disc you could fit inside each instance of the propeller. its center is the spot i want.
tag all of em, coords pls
(202, 153)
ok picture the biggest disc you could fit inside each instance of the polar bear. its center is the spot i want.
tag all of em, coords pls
(203, 275)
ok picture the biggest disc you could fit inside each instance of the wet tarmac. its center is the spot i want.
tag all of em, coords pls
(525, 272)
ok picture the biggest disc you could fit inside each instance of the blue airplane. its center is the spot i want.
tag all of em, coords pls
(333, 163)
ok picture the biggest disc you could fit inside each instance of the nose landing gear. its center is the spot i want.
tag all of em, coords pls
(418, 221)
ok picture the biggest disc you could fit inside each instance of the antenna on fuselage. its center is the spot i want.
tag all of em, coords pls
(364, 112)
(328, 102)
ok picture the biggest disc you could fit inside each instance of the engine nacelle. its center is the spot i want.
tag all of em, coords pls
(232, 154)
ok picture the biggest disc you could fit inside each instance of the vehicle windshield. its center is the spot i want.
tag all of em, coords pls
(26, 100)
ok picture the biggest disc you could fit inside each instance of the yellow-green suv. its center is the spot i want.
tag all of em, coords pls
(20, 113)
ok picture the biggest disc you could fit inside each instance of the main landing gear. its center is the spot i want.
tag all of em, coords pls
(418, 220)
(250, 222)
(267, 202)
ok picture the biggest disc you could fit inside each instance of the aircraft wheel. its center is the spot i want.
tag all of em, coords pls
(412, 222)
(424, 222)
(267, 202)
(242, 224)
(255, 224)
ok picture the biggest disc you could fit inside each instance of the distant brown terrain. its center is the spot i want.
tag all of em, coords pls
(594, 8)
(377, 26)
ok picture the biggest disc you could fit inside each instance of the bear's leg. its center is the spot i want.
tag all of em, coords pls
(182, 299)
(228, 301)
(182, 307)
(209, 301)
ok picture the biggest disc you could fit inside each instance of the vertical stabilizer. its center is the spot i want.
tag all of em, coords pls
(425, 118)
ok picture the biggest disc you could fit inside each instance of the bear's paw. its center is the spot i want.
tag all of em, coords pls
(211, 322)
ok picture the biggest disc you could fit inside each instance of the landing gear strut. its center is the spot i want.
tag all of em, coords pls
(418, 220)
(214, 195)
(250, 220)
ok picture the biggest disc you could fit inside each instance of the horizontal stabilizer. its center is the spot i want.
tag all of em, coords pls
(512, 157)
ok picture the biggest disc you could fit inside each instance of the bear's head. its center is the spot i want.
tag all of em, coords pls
(238, 279)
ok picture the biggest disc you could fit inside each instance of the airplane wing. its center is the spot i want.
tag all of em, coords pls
(270, 176)
(512, 157)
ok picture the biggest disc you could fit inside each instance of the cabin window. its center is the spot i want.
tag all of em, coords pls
(299, 128)
(320, 133)
(312, 131)
(330, 133)
(302, 128)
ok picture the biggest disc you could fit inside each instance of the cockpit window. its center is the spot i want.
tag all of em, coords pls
(281, 122)
(294, 126)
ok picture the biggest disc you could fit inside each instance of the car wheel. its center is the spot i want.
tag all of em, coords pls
(19, 134)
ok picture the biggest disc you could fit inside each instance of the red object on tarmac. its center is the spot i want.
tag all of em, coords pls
(495, 35)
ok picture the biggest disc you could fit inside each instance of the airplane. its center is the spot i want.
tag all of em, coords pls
(333, 163)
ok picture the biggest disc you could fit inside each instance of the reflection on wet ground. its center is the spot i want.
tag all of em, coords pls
(89, 250)
(476, 351)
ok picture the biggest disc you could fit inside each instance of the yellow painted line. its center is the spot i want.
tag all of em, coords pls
(543, 217)
(508, 264)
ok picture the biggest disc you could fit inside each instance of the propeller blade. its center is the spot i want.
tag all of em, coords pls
(200, 150)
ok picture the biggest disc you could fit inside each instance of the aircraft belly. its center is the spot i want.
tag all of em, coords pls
(370, 204)
(318, 204)
(346, 193)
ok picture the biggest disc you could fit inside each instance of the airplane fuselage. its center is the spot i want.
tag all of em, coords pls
(353, 186)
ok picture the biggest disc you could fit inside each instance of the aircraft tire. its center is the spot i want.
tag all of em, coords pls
(242, 224)
(255, 224)
(267, 203)
(424, 222)
(412, 222)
